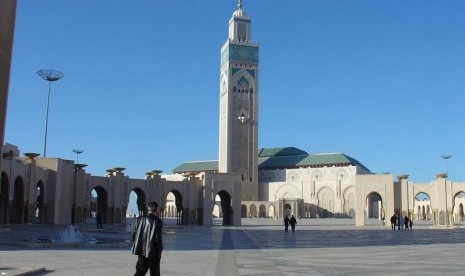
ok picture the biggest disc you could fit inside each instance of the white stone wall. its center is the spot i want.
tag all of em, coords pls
(319, 186)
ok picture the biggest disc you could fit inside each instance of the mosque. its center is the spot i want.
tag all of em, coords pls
(245, 181)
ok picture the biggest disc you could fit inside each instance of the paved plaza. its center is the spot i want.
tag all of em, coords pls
(258, 247)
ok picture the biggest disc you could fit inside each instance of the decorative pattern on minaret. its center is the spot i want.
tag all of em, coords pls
(238, 139)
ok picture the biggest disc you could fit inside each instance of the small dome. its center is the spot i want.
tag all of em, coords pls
(240, 13)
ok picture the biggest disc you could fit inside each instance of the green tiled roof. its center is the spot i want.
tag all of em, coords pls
(287, 151)
(280, 162)
(280, 158)
(197, 166)
(329, 159)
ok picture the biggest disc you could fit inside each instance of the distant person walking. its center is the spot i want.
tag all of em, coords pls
(293, 222)
(410, 224)
(393, 222)
(99, 219)
(406, 222)
(286, 224)
(147, 241)
(401, 222)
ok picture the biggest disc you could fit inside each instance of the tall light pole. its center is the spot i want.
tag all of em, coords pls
(446, 157)
(77, 152)
(48, 75)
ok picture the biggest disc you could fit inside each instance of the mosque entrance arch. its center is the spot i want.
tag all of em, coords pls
(374, 206)
(226, 212)
(17, 206)
(99, 202)
(422, 207)
(173, 206)
(39, 203)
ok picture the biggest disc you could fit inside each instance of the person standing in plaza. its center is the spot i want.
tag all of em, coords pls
(147, 241)
(393, 222)
(292, 222)
(286, 224)
(406, 222)
(99, 219)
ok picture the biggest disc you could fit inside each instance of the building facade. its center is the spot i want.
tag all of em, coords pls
(243, 182)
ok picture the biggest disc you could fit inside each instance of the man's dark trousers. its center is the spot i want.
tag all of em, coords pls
(144, 264)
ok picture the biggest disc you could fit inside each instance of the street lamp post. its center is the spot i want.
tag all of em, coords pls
(77, 152)
(48, 75)
(446, 157)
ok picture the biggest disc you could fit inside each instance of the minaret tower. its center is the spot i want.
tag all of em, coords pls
(238, 139)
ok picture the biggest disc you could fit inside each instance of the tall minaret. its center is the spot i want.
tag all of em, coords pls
(238, 144)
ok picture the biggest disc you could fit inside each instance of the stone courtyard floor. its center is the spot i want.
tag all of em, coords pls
(258, 247)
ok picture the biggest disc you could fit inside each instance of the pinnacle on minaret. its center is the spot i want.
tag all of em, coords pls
(239, 5)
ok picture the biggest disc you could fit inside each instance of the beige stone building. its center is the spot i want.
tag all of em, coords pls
(245, 181)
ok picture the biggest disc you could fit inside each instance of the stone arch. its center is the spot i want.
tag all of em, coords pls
(272, 211)
(141, 201)
(216, 209)
(286, 191)
(325, 202)
(253, 211)
(243, 80)
(243, 211)
(374, 205)
(262, 211)
(422, 205)
(4, 198)
(17, 206)
(39, 203)
(99, 201)
(349, 201)
(458, 211)
(226, 207)
(178, 206)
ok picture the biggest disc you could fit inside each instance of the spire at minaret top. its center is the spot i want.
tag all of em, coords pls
(240, 12)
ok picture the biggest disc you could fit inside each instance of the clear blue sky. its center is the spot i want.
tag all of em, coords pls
(382, 81)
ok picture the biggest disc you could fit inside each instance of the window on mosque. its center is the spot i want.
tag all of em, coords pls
(241, 31)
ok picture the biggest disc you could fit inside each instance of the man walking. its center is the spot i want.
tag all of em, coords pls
(147, 242)
(293, 222)
(393, 222)
(99, 219)
(286, 224)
